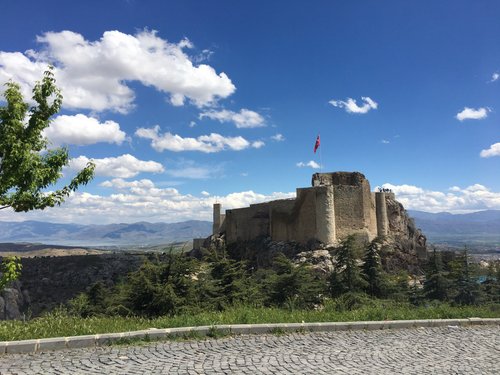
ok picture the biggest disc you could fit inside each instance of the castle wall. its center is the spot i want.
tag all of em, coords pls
(281, 218)
(325, 215)
(338, 204)
(217, 218)
(354, 211)
(303, 225)
(349, 209)
(381, 210)
(373, 217)
(222, 227)
(296, 221)
(310, 216)
(247, 223)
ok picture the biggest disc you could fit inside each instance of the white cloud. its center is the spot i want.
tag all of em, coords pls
(82, 130)
(205, 193)
(141, 201)
(494, 77)
(246, 198)
(312, 164)
(191, 172)
(242, 119)
(258, 144)
(120, 183)
(139, 187)
(472, 114)
(133, 201)
(385, 141)
(456, 200)
(494, 150)
(124, 166)
(351, 106)
(94, 74)
(278, 137)
(204, 143)
(184, 168)
(404, 189)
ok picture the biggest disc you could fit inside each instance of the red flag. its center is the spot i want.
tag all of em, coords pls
(316, 145)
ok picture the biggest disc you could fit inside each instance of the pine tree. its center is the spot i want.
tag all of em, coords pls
(464, 280)
(346, 276)
(436, 284)
(491, 286)
(293, 286)
(372, 270)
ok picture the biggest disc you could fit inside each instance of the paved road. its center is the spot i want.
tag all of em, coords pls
(449, 350)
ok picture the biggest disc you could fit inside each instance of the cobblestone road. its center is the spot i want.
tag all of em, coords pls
(450, 350)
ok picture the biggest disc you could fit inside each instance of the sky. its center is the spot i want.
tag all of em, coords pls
(185, 103)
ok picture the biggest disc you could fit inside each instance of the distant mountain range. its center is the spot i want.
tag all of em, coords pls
(137, 234)
(476, 229)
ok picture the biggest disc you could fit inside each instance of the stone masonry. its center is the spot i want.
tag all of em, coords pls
(337, 205)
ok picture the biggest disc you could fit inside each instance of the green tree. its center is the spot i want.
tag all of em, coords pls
(162, 287)
(346, 277)
(491, 286)
(232, 283)
(10, 269)
(372, 270)
(27, 166)
(293, 286)
(464, 280)
(436, 284)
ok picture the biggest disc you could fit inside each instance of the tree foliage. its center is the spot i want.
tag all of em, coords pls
(491, 286)
(346, 277)
(10, 269)
(27, 165)
(464, 277)
(174, 283)
(372, 270)
(162, 287)
(436, 285)
(293, 286)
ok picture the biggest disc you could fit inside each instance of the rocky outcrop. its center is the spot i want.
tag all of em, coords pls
(320, 260)
(13, 302)
(404, 235)
(47, 282)
(404, 248)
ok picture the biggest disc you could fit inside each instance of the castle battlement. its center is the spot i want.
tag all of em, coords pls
(338, 204)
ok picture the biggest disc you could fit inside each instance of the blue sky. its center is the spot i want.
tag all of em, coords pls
(182, 103)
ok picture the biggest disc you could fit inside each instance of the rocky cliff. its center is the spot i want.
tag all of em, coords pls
(47, 282)
(405, 246)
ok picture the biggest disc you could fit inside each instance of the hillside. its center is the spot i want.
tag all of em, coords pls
(139, 234)
(477, 229)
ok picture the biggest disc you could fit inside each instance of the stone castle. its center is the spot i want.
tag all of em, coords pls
(337, 205)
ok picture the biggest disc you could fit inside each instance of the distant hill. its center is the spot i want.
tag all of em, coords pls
(478, 229)
(138, 234)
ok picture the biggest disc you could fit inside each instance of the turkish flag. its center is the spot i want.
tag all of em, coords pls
(316, 145)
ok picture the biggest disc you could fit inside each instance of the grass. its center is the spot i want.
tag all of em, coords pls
(59, 323)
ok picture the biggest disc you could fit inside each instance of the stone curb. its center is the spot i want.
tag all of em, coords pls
(56, 343)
